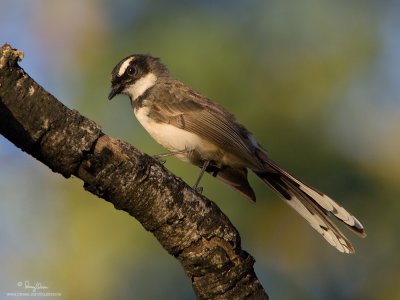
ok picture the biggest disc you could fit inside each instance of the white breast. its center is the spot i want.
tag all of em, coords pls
(171, 137)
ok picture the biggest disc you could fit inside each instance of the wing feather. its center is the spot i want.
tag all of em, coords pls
(198, 115)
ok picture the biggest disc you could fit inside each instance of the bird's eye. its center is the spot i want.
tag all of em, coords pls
(131, 71)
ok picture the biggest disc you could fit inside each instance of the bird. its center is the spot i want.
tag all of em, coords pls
(199, 131)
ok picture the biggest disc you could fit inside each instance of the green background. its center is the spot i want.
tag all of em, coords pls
(317, 82)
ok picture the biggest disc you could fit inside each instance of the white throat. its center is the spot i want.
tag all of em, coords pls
(140, 86)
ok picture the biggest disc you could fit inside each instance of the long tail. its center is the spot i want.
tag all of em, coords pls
(312, 205)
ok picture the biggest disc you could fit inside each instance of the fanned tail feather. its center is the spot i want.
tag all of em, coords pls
(312, 205)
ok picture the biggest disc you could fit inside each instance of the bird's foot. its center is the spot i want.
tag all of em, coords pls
(198, 189)
(159, 159)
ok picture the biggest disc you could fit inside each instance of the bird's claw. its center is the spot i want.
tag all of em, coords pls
(159, 159)
(198, 189)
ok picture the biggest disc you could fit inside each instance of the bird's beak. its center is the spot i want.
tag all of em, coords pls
(117, 89)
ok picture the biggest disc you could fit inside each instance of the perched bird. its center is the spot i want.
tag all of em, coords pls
(196, 130)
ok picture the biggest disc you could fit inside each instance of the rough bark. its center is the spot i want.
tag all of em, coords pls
(188, 225)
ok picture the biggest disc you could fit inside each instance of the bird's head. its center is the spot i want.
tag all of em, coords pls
(135, 74)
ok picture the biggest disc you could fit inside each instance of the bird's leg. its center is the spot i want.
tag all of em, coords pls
(203, 169)
(159, 157)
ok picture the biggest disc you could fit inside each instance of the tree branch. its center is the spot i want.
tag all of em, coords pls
(188, 225)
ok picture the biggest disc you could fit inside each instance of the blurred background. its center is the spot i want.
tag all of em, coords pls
(317, 82)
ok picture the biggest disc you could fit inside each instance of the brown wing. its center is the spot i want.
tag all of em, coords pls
(188, 110)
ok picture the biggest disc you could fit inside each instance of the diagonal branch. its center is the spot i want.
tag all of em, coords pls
(188, 225)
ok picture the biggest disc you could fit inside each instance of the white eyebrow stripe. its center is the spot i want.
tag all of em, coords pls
(124, 65)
